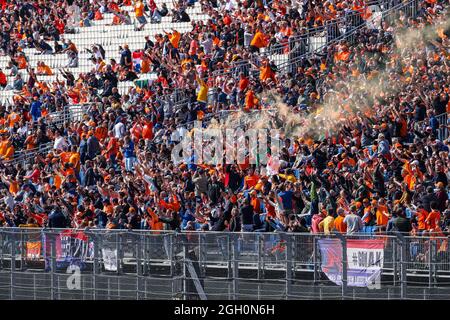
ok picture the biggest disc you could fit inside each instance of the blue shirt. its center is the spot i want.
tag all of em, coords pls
(286, 199)
(36, 109)
(128, 152)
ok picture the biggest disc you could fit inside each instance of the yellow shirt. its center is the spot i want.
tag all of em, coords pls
(327, 225)
(203, 92)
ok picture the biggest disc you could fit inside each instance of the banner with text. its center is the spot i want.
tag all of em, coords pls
(364, 261)
(72, 248)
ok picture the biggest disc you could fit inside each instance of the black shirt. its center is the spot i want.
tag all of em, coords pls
(247, 214)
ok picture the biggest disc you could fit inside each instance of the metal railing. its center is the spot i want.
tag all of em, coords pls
(142, 264)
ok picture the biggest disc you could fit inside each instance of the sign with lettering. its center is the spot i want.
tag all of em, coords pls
(364, 261)
(33, 250)
(71, 247)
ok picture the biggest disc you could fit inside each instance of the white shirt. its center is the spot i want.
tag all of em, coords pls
(60, 143)
(119, 130)
(207, 45)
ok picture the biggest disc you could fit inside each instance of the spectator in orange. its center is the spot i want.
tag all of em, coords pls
(43, 69)
(251, 101)
(259, 41)
(434, 218)
(339, 224)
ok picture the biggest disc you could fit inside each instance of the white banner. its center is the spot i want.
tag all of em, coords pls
(109, 259)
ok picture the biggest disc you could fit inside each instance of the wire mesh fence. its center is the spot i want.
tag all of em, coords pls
(123, 264)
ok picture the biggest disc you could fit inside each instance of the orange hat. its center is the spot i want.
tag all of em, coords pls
(374, 201)
(90, 133)
(358, 204)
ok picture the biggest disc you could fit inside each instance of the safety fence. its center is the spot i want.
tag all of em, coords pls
(122, 264)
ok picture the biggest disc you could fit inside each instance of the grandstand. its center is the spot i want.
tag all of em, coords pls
(353, 204)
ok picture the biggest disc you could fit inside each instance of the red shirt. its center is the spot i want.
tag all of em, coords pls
(3, 80)
(147, 131)
(112, 143)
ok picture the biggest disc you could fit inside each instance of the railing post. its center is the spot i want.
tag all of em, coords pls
(402, 242)
(13, 264)
(235, 267)
(171, 246)
(229, 258)
(394, 261)
(119, 252)
(315, 260)
(139, 266)
(95, 269)
(260, 253)
(53, 265)
(2, 243)
(185, 271)
(288, 266)
(431, 264)
(344, 263)
(201, 258)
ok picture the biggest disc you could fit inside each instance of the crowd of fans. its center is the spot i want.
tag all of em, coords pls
(381, 169)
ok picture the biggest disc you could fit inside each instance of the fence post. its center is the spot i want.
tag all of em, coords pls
(315, 260)
(2, 243)
(119, 252)
(13, 264)
(259, 252)
(185, 271)
(402, 242)
(229, 264)
(95, 269)
(53, 265)
(288, 266)
(201, 260)
(139, 266)
(171, 251)
(235, 267)
(431, 256)
(394, 263)
(22, 252)
(344, 263)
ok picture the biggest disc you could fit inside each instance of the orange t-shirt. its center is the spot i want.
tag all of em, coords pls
(12, 119)
(174, 39)
(339, 224)
(139, 9)
(433, 219)
(382, 220)
(9, 153)
(422, 215)
(266, 73)
(259, 40)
